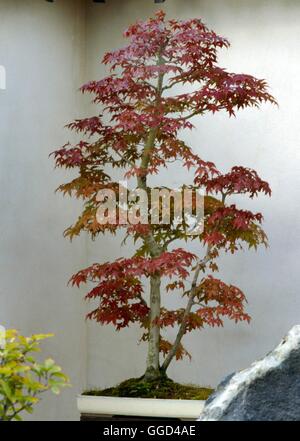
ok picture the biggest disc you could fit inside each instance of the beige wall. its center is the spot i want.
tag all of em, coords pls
(42, 49)
(48, 49)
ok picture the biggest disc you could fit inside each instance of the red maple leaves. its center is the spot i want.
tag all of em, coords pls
(119, 286)
(239, 180)
(168, 264)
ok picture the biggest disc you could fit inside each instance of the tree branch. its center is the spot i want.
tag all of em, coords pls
(200, 266)
(126, 160)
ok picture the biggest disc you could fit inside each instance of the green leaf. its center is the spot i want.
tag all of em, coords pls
(7, 390)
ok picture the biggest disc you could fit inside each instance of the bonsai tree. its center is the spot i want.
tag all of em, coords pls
(22, 378)
(165, 77)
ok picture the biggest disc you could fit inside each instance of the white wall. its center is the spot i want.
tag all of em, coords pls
(42, 48)
(265, 42)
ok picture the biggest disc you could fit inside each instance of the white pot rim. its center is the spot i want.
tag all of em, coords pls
(147, 407)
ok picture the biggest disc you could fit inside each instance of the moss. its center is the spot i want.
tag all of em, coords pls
(161, 388)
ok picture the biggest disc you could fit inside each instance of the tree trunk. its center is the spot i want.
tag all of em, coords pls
(153, 368)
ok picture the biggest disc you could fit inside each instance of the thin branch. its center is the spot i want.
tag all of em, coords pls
(148, 84)
(143, 301)
(126, 160)
(200, 266)
(171, 85)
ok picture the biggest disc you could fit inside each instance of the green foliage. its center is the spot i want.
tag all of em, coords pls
(162, 387)
(22, 378)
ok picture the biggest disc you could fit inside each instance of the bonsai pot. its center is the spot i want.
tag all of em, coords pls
(97, 408)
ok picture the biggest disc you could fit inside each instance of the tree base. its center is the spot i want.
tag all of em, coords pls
(152, 374)
(162, 387)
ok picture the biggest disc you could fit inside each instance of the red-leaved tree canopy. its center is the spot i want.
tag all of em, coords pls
(144, 106)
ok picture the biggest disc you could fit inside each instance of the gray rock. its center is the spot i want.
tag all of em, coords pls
(269, 390)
